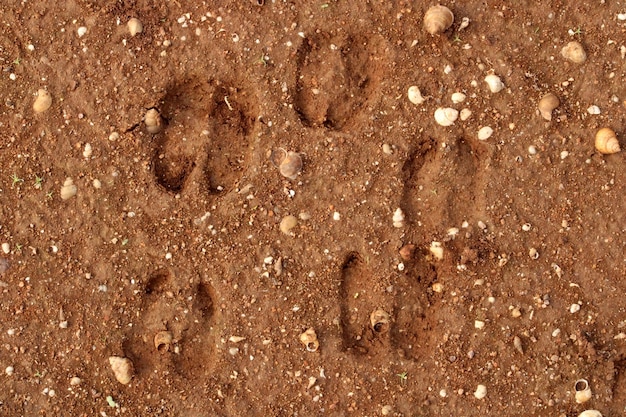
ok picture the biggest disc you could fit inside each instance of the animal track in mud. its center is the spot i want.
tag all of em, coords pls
(336, 78)
(176, 304)
(408, 329)
(445, 183)
(362, 294)
(206, 132)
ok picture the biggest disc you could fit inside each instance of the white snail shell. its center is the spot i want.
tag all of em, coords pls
(134, 26)
(606, 141)
(574, 52)
(494, 82)
(583, 392)
(446, 116)
(458, 98)
(415, 95)
(590, 413)
(398, 218)
(153, 121)
(123, 369)
(68, 190)
(43, 101)
(309, 340)
(163, 341)
(547, 104)
(437, 19)
(379, 319)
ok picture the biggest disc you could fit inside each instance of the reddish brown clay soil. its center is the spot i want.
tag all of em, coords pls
(179, 231)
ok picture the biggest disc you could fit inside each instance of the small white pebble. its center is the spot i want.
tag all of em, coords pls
(526, 227)
(564, 154)
(63, 324)
(233, 351)
(97, 184)
(481, 392)
(481, 224)
(485, 133)
(75, 381)
(336, 216)
(532, 150)
(465, 114)
(9, 371)
(621, 16)
(458, 98)
(6, 248)
(52, 393)
(556, 332)
(168, 255)
(386, 410)
(479, 324)
(81, 31)
(387, 149)
(574, 308)
(593, 109)
(114, 136)
(11, 332)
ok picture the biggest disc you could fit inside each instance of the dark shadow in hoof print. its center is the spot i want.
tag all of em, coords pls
(204, 139)
(443, 184)
(413, 299)
(174, 332)
(337, 78)
(365, 308)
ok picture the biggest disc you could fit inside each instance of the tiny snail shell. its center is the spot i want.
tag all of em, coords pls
(606, 141)
(494, 82)
(415, 95)
(291, 165)
(398, 218)
(574, 52)
(590, 413)
(446, 116)
(547, 104)
(583, 392)
(458, 98)
(309, 339)
(68, 190)
(379, 319)
(134, 26)
(153, 121)
(163, 341)
(123, 369)
(43, 101)
(481, 392)
(437, 19)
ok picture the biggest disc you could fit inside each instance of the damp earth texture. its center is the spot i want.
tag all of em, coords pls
(435, 271)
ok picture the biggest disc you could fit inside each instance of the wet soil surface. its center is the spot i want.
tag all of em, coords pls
(503, 268)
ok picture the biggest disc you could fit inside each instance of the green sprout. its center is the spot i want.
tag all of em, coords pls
(262, 60)
(49, 195)
(403, 377)
(578, 31)
(38, 182)
(16, 180)
(457, 39)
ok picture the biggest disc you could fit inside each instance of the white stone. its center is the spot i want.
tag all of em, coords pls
(458, 98)
(494, 82)
(6, 248)
(574, 308)
(465, 114)
(81, 31)
(481, 392)
(485, 133)
(593, 110)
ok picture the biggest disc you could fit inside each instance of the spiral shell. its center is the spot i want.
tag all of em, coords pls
(574, 52)
(153, 121)
(606, 141)
(163, 340)
(446, 116)
(437, 19)
(583, 392)
(547, 104)
(379, 319)
(43, 101)
(494, 82)
(309, 339)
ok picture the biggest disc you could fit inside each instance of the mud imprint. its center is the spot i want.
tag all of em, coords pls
(336, 79)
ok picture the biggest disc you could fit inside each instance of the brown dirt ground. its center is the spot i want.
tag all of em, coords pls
(236, 80)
